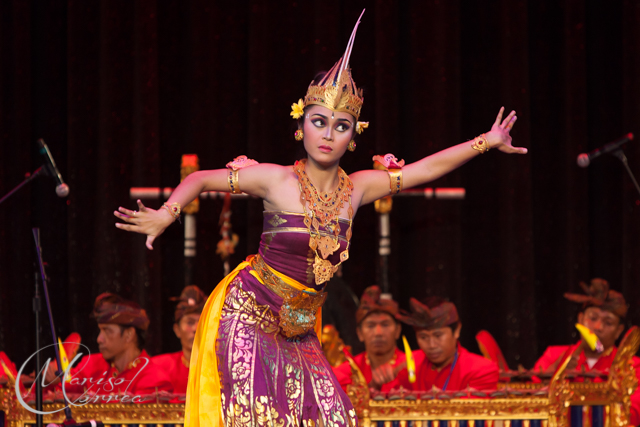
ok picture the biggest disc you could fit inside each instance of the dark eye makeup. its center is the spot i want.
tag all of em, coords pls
(319, 121)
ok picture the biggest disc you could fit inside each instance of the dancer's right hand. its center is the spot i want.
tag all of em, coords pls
(144, 221)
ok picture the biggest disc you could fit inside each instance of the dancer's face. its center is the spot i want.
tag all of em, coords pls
(327, 134)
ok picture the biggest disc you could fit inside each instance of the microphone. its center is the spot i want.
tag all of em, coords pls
(585, 159)
(62, 190)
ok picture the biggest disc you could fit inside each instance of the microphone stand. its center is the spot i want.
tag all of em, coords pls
(620, 155)
(28, 179)
(36, 307)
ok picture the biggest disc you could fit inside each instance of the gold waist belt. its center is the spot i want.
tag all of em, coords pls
(299, 305)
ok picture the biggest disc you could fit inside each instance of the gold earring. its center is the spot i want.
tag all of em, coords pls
(352, 146)
(298, 135)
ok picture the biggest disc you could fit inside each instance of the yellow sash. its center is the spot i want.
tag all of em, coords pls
(204, 403)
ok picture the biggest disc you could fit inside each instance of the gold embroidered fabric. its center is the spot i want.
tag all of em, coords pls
(299, 308)
(269, 380)
(277, 221)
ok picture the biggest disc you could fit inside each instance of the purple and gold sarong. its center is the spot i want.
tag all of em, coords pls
(256, 357)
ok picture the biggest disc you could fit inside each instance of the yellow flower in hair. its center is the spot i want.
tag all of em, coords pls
(361, 126)
(297, 109)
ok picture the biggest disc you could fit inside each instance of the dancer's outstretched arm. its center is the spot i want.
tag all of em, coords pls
(373, 184)
(255, 180)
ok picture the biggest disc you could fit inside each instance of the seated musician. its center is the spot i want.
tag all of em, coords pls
(122, 369)
(176, 365)
(379, 329)
(603, 311)
(441, 361)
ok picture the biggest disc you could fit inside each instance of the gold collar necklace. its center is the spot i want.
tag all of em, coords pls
(324, 209)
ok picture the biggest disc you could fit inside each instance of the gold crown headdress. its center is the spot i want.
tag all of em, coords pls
(336, 90)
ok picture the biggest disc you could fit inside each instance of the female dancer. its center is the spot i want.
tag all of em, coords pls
(256, 358)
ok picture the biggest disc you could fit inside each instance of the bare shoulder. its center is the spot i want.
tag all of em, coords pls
(369, 185)
(364, 176)
(268, 170)
(257, 180)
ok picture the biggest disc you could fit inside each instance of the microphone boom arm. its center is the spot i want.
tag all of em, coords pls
(623, 158)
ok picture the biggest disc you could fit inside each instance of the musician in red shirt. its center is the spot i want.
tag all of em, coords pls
(379, 329)
(603, 311)
(441, 361)
(176, 365)
(122, 371)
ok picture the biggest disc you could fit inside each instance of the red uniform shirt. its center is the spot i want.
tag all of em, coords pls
(470, 370)
(604, 362)
(10, 365)
(97, 376)
(343, 372)
(176, 367)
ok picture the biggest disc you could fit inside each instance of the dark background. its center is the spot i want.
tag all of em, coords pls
(121, 89)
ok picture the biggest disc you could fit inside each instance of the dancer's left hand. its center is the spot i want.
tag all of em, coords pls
(499, 137)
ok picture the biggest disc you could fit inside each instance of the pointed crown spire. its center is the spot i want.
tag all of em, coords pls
(336, 90)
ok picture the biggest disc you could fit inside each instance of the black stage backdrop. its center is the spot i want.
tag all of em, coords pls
(120, 90)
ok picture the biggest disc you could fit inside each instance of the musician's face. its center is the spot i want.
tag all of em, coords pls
(114, 340)
(379, 332)
(439, 344)
(185, 330)
(606, 325)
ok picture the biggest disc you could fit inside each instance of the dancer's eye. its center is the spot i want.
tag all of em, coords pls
(318, 123)
(342, 127)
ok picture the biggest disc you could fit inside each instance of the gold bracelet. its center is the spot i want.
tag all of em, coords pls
(234, 186)
(395, 180)
(480, 144)
(174, 209)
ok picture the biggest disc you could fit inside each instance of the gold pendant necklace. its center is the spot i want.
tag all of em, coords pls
(324, 209)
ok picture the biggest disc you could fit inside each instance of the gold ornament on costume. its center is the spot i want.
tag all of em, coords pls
(480, 144)
(234, 166)
(324, 210)
(361, 126)
(336, 90)
(390, 163)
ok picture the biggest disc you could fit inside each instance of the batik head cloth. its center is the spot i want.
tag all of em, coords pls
(423, 316)
(598, 294)
(190, 301)
(373, 301)
(111, 308)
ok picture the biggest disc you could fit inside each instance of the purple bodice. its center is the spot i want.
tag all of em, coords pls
(285, 245)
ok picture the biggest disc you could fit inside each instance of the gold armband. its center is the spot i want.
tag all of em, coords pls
(395, 180)
(480, 144)
(390, 163)
(234, 187)
(234, 166)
